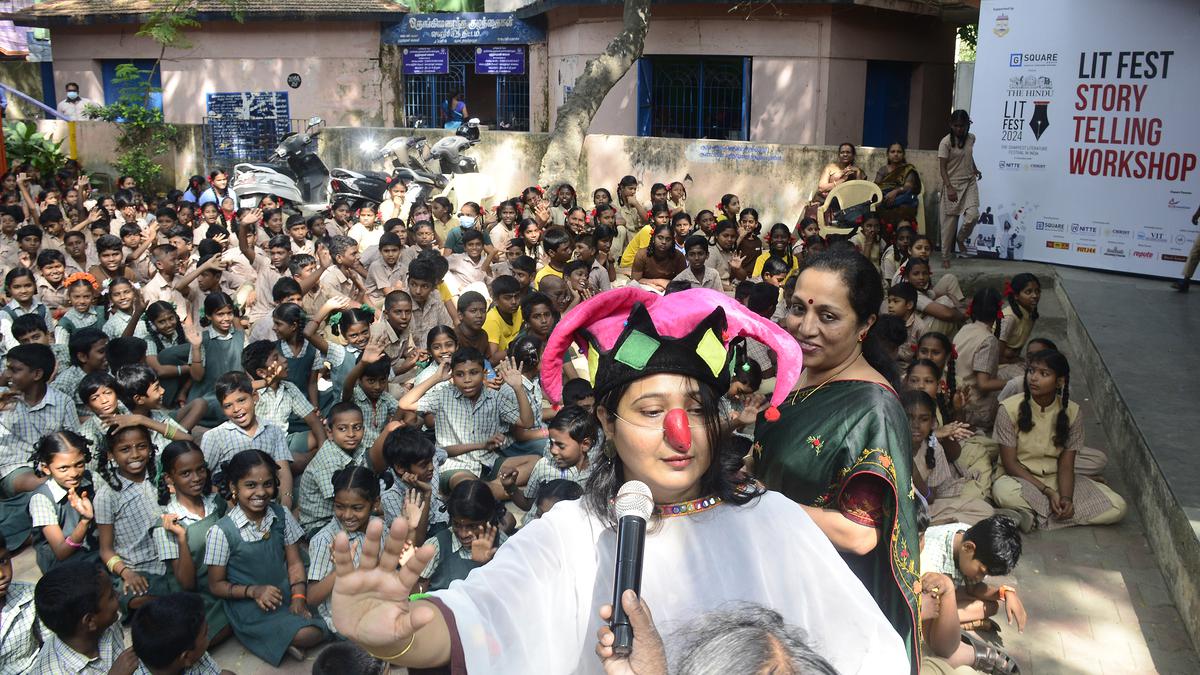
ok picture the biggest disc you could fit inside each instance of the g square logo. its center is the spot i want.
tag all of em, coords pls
(1014, 60)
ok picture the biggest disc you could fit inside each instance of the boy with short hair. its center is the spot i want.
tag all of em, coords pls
(395, 332)
(170, 637)
(524, 268)
(19, 627)
(348, 443)
(367, 387)
(31, 329)
(307, 271)
(268, 269)
(280, 401)
(77, 253)
(10, 217)
(575, 274)
(162, 285)
(285, 290)
(52, 269)
(698, 273)
(970, 553)
(775, 272)
(29, 242)
(428, 309)
(297, 230)
(415, 463)
(51, 221)
(111, 256)
(242, 430)
(385, 274)
(88, 350)
(34, 410)
(139, 385)
(902, 303)
(473, 265)
(341, 280)
(78, 605)
(586, 249)
(136, 248)
(470, 418)
(203, 279)
(557, 244)
(503, 321)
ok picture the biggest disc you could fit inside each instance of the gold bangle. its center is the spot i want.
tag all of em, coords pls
(411, 641)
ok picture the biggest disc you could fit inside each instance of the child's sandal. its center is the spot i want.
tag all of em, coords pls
(990, 658)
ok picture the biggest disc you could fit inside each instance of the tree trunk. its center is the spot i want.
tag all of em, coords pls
(562, 158)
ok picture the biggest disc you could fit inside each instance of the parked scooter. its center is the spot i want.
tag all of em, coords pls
(429, 171)
(295, 173)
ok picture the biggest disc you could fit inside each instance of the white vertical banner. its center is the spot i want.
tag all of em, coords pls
(1086, 115)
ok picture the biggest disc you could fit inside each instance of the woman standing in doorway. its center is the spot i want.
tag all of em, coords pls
(454, 110)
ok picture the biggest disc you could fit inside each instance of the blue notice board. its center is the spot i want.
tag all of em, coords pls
(499, 60)
(243, 123)
(426, 60)
(463, 28)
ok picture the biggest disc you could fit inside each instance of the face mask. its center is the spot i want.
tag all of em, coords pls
(72, 95)
(466, 222)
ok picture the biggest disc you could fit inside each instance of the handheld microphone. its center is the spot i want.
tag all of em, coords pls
(634, 504)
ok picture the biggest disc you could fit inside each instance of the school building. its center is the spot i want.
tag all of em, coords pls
(797, 72)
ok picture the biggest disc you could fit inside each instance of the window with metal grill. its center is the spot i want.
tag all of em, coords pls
(694, 97)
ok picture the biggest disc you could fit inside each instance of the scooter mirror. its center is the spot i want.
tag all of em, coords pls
(314, 121)
(473, 122)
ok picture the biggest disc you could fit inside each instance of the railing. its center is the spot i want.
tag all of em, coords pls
(51, 113)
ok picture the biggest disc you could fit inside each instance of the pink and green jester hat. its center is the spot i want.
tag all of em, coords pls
(628, 333)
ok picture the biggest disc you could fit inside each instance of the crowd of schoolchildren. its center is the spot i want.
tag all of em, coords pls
(200, 392)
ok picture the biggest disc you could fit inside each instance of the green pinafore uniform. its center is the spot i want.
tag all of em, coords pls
(266, 634)
(220, 357)
(214, 609)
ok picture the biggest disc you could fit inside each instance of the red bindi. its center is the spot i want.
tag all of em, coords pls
(810, 301)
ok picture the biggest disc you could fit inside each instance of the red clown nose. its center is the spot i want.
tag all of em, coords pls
(677, 431)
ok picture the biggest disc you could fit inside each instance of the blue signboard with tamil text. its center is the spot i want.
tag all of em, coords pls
(426, 61)
(499, 60)
(466, 28)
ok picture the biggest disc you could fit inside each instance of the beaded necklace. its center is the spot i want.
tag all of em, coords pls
(686, 508)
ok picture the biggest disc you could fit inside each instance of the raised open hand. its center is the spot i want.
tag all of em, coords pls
(370, 602)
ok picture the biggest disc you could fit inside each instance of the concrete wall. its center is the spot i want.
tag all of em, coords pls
(809, 64)
(776, 179)
(26, 77)
(338, 63)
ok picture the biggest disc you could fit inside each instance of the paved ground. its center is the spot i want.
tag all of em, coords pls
(1096, 599)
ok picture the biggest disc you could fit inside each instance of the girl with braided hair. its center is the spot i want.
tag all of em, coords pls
(945, 486)
(1040, 433)
(1021, 297)
(978, 346)
(190, 509)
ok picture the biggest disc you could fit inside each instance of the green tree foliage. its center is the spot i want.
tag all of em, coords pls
(968, 38)
(25, 144)
(143, 135)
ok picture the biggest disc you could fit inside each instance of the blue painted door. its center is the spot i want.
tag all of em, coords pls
(885, 113)
(108, 72)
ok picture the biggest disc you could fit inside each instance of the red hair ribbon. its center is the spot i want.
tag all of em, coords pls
(916, 347)
(903, 270)
(1008, 289)
(954, 352)
(999, 314)
(970, 306)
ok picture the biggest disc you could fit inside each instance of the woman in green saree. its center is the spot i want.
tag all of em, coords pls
(840, 446)
(901, 186)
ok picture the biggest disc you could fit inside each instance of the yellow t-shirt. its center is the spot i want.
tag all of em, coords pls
(640, 241)
(762, 259)
(500, 331)
(545, 272)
